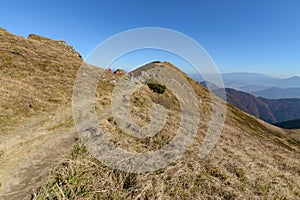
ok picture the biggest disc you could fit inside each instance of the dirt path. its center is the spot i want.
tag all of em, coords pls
(31, 151)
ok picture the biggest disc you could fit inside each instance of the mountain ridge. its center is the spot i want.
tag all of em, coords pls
(269, 110)
(252, 159)
(253, 82)
(278, 93)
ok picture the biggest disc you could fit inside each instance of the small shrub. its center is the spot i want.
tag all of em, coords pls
(156, 87)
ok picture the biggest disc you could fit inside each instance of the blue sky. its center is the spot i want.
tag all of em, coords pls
(240, 35)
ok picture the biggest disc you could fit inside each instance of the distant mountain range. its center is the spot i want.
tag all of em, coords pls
(278, 93)
(269, 110)
(259, 85)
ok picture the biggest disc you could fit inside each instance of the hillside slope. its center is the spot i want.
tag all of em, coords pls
(284, 109)
(36, 81)
(249, 104)
(269, 110)
(252, 159)
(37, 75)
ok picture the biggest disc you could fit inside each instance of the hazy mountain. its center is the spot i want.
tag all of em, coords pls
(284, 109)
(249, 104)
(278, 93)
(269, 110)
(237, 80)
(253, 88)
(256, 80)
(40, 158)
(253, 82)
(289, 82)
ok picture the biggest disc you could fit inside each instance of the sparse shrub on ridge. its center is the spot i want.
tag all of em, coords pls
(156, 87)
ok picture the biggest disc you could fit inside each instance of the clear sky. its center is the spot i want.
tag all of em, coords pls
(240, 35)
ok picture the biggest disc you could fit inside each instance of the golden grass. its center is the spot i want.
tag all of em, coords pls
(36, 76)
(252, 159)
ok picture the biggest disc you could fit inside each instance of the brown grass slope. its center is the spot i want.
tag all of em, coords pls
(36, 75)
(252, 159)
(36, 82)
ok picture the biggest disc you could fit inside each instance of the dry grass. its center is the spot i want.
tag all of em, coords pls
(36, 82)
(36, 76)
(252, 159)
(236, 169)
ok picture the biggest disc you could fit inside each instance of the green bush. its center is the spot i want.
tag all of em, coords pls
(156, 87)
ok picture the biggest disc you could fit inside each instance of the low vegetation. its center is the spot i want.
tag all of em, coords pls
(156, 87)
